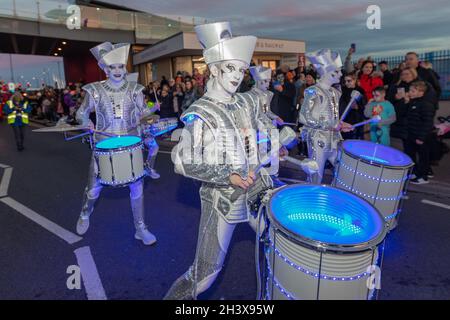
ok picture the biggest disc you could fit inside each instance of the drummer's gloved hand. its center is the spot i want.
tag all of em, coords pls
(346, 127)
(283, 152)
(237, 181)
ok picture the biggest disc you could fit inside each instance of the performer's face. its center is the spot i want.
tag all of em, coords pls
(263, 84)
(334, 76)
(116, 72)
(230, 74)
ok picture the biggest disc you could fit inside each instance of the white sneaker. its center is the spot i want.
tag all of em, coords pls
(82, 225)
(419, 181)
(153, 174)
(145, 236)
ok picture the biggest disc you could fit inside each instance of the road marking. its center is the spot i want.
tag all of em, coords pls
(437, 204)
(4, 184)
(62, 233)
(89, 273)
(4, 166)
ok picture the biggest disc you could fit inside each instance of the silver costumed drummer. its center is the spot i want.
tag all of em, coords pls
(219, 148)
(119, 106)
(320, 110)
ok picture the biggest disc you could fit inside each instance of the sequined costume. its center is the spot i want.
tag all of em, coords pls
(218, 140)
(118, 111)
(263, 112)
(320, 112)
(320, 115)
(203, 121)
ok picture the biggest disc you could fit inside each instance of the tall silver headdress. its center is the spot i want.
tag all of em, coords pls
(260, 73)
(219, 45)
(325, 60)
(107, 53)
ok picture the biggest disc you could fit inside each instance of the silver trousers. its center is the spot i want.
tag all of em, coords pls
(212, 246)
(321, 149)
(153, 148)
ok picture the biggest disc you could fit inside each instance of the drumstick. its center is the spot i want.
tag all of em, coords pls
(287, 135)
(374, 119)
(156, 96)
(354, 96)
(288, 124)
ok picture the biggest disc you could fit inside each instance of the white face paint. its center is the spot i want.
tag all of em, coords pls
(263, 84)
(230, 74)
(116, 72)
(333, 77)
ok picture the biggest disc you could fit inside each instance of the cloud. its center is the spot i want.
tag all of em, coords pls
(405, 24)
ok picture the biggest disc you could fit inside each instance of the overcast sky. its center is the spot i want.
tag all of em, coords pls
(421, 25)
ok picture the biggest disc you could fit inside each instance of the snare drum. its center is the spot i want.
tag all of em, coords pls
(323, 243)
(376, 173)
(163, 126)
(120, 160)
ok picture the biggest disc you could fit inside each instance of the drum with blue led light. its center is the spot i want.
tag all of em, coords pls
(119, 160)
(323, 243)
(376, 173)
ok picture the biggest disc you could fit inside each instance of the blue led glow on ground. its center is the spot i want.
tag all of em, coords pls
(117, 142)
(326, 214)
(376, 153)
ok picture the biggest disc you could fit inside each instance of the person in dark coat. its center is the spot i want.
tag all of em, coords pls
(282, 102)
(167, 110)
(388, 77)
(356, 113)
(190, 96)
(420, 116)
(427, 75)
(396, 95)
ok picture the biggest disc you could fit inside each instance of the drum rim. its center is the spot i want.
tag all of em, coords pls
(121, 185)
(327, 246)
(376, 164)
(131, 146)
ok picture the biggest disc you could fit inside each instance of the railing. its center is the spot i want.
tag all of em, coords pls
(441, 64)
(146, 26)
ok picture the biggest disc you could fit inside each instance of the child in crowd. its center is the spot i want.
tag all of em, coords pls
(379, 106)
(420, 116)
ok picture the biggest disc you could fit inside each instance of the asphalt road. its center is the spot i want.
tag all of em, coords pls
(47, 181)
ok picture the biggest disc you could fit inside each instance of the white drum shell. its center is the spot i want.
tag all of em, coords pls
(290, 283)
(380, 185)
(120, 167)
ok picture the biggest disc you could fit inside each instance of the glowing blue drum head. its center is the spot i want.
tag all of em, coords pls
(118, 142)
(327, 216)
(376, 153)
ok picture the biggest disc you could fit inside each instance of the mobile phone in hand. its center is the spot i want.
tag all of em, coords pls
(353, 46)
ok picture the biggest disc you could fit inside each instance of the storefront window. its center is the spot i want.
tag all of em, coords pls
(198, 62)
(272, 64)
(182, 64)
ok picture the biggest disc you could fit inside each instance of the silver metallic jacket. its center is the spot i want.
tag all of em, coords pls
(209, 123)
(263, 111)
(118, 111)
(320, 115)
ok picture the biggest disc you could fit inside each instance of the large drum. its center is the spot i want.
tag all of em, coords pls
(323, 243)
(120, 160)
(376, 173)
